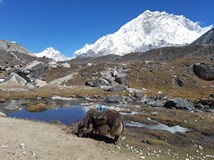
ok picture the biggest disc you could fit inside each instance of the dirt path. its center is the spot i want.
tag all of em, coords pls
(25, 140)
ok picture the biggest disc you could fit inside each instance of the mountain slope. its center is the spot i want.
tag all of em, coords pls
(53, 54)
(11, 46)
(207, 38)
(148, 31)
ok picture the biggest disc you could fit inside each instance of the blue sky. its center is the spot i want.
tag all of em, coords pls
(67, 25)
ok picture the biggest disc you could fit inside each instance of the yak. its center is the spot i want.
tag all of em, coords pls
(104, 123)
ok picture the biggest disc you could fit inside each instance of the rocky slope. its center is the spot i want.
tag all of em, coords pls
(207, 38)
(148, 31)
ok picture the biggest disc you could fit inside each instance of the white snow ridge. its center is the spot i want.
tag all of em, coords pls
(53, 54)
(149, 30)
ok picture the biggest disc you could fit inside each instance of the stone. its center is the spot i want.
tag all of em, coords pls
(118, 88)
(66, 65)
(179, 103)
(39, 83)
(180, 81)
(2, 114)
(204, 71)
(36, 69)
(115, 99)
(53, 65)
(120, 78)
(14, 80)
(100, 82)
(38, 107)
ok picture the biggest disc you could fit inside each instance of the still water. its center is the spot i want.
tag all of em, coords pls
(67, 116)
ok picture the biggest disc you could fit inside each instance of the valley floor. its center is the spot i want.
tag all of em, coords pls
(25, 140)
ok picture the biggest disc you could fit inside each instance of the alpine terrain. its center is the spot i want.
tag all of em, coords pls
(53, 54)
(148, 31)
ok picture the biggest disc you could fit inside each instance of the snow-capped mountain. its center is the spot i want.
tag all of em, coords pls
(149, 30)
(52, 53)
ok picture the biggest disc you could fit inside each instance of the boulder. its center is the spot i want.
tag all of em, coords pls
(2, 114)
(36, 69)
(39, 83)
(204, 71)
(38, 107)
(179, 103)
(115, 99)
(53, 65)
(66, 65)
(14, 80)
(100, 82)
(120, 78)
(209, 103)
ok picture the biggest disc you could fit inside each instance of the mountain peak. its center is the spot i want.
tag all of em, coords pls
(147, 31)
(50, 52)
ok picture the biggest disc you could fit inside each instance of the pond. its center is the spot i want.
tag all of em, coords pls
(67, 116)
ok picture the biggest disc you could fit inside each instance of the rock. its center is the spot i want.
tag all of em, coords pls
(2, 114)
(66, 65)
(36, 69)
(39, 83)
(156, 103)
(14, 80)
(53, 65)
(180, 81)
(209, 103)
(118, 88)
(115, 99)
(22, 146)
(179, 103)
(204, 71)
(211, 95)
(38, 107)
(100, 82)
(120, 78)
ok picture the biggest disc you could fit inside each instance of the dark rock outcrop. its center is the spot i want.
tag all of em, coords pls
(204, 71)
(179, 103)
